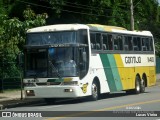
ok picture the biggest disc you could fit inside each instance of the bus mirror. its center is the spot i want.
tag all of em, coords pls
(84, 57)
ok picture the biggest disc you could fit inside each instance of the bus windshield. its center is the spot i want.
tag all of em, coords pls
(54, 62)
(36, 63)
(63, 62)
(47, 54)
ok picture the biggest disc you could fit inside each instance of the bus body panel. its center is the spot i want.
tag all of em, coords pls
(97, 70)
(120, 72)
(131, 65)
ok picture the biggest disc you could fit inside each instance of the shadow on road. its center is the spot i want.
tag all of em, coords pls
(84, 99)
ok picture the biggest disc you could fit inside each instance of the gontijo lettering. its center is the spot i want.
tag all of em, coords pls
(132, 59)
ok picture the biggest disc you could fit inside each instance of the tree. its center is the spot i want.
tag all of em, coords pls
(12, 38)
(32, 13)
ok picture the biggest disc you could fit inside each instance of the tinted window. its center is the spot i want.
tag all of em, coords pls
(118, 43)
(96, 41)
(128, 43)
(136, 43)
(107, 42)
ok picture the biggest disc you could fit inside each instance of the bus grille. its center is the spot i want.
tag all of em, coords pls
(48, 83)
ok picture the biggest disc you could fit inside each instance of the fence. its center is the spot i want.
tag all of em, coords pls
(157, 65)
(10, 76)
(10, 83)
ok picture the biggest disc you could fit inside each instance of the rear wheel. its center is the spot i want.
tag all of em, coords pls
(142, 86)
(137, 86)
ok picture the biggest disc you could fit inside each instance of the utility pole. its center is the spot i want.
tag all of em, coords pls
(132, 17)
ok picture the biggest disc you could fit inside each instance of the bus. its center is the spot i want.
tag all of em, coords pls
(80, 60)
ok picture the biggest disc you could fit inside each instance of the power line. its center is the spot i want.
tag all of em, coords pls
(78, 7)
(82, 6)
(85, 7)
(34, 4)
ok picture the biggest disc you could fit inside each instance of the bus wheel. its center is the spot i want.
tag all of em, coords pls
(50, 100)
(95, 91)
(137, 86)
(142, 86)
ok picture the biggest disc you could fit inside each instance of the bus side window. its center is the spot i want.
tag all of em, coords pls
(136, 44)
(115, 42)
(110, 42)
(105, 41)
(139, 43)
(118, 44)
(135, 48)
(93, 40)
(126, 43)
(120, 40)
(98, 41)
(130, 43)
(144, 44)
(151, 44)
(92, 46)
(83, 37)
(126, 47)
(147, 44)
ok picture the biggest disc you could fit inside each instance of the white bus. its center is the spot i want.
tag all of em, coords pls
(77, 60)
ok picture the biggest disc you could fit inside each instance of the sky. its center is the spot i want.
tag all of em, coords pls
(159, 1)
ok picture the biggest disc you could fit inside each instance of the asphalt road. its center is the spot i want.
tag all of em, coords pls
(118, 104)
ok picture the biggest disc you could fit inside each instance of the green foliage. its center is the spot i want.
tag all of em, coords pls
(17, 16)
(12, 38)
(57, 5)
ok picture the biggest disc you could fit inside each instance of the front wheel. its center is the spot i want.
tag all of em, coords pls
(95, 91)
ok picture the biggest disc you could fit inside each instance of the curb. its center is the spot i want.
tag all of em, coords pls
(19, 103)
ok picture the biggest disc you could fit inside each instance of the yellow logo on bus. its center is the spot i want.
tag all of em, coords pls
(84, 88)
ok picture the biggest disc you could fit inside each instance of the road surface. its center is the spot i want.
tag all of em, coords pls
(132, 107)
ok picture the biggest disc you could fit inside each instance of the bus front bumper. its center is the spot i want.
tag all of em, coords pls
(54, 92)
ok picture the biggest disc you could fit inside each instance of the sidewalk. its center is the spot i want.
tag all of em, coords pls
(11, 99)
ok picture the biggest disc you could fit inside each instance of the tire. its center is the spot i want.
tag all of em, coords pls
(50, 101)
(95, 91)
(137, 86)
(142, 86)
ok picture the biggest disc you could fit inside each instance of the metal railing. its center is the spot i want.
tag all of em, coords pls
(9, 79)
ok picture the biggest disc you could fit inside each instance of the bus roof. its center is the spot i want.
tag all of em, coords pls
(105, 28)
(94, 27)
(58, 27)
